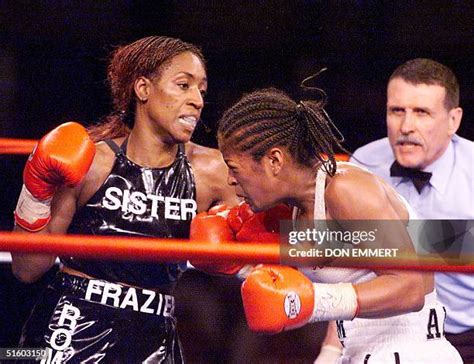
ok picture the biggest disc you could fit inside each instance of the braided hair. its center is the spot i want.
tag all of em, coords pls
(146, 57)
(269, 117)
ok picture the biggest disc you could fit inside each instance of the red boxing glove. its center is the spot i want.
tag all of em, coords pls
(273, 216)
(223, 209)
(61, 158)
(221, 224)
(212, 227)
(278, 298)
(258, 227)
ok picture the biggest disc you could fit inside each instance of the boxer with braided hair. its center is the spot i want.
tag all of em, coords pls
(273, 148)
(269, 117)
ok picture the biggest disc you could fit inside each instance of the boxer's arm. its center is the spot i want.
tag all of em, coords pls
(393, 292)
(52, 176)
(223, 192)
(61, 158)
(210, 173)
(279, 298)
(28, 267)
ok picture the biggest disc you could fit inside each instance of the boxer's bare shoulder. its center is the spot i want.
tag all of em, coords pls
(98, 172)
(210, 173)
(376, 192)
(204, 158)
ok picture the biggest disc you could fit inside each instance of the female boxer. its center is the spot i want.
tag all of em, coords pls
(281, 151)
(143, 177)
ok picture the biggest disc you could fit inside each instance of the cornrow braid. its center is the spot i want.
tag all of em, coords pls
(269, 117)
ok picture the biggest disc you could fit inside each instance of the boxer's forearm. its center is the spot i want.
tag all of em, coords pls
(380, 297)
(28, 268)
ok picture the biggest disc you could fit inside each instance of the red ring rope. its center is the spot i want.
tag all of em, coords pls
(152, 249)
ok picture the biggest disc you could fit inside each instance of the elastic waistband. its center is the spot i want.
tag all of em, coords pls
(116, 295)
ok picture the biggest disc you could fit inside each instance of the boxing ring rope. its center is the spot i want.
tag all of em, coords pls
(16, 146)
(138, 248)
(25, 146)
(153, 249)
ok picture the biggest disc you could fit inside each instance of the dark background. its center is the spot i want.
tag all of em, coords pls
(52, 69)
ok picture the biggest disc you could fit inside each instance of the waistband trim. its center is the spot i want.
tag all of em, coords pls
(116, 295)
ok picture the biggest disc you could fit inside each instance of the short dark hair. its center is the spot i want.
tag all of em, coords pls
(427, 71)
(269, 117)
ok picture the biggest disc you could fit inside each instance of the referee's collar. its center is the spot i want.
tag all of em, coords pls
(442, 167)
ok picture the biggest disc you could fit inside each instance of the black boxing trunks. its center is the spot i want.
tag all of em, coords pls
(138, 201)
(80, 320)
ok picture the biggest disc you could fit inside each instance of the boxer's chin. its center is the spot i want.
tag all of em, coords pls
(183, 137)
(254, 207)
(251, 204)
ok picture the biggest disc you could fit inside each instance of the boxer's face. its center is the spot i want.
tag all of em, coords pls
(175, 100)
(419, 125)
(252, 180)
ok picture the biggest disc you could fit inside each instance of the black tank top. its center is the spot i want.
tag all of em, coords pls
(138, 201)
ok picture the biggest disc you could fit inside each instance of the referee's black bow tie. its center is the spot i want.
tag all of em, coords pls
(419, 178)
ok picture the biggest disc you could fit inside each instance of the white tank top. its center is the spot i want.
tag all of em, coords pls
(410, 327)
(337, 275)
(330, 275)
